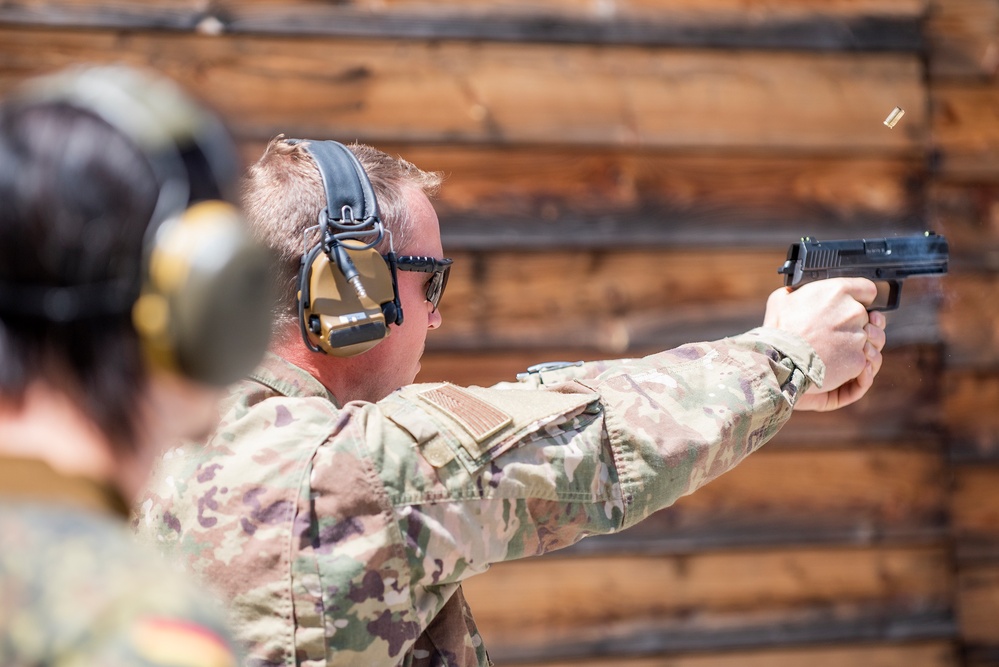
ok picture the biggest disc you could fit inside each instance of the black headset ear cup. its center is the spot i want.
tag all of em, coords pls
(205, 307)
(335, 318)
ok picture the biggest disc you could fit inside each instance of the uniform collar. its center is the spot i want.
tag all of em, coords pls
(289, 380)
(33, 480)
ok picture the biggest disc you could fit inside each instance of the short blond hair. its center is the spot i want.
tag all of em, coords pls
(283, 195)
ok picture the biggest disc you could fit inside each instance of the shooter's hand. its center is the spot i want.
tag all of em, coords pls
(832, 316)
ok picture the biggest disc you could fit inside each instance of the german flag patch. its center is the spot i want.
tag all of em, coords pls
(180, 643)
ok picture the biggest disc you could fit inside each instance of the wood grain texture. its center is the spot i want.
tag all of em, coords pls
(975, 511)
(382, 90)
(969, 320)
(978, 603)
(965, 129)
(963, 37)
(551, 197)
(563, 197)
(963, 66)
(567, 604)
(968, 402)
(618, 302)
(624, 177)
(865, 25)
(968, 214)
(889, 654)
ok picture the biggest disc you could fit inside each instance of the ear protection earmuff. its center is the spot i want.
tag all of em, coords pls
(348, 294)
(203, 308)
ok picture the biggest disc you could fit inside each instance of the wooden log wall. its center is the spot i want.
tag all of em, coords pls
(624, 176)
(963, 72)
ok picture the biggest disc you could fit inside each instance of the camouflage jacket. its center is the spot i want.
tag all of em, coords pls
(338, 534)
(76, 590)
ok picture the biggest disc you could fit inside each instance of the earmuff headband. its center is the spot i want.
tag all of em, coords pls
(348, 295)
(346, 184)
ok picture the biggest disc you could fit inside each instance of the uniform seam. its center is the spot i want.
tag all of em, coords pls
(375, 482)
(306, 466)
(410, 499)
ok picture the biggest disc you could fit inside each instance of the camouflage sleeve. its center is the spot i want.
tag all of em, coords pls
(476, 476)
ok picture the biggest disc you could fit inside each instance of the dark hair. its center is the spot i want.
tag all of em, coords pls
(76, 197)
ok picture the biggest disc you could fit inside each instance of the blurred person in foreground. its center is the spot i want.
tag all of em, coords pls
(121, 266)
(338, 507)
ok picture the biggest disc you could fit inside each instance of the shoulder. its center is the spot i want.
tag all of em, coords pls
(94, 593)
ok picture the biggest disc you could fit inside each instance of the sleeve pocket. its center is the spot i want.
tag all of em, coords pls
(475, 425)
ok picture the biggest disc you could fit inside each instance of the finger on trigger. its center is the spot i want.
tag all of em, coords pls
(862, 289)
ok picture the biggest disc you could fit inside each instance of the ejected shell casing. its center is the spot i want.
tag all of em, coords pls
(895, 116)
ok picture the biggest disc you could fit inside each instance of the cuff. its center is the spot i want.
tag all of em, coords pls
(794, 348)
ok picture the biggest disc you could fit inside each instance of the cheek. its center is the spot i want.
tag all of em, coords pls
(412, 295)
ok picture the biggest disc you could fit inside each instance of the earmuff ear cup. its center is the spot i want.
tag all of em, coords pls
(205, 303)
(337, 319)
(204, 309)
(348, 295)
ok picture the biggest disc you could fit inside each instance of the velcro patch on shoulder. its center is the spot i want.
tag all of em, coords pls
(479, 418)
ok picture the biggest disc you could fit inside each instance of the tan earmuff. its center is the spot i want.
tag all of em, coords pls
(204, 308)
(341, 321)
(348, 294)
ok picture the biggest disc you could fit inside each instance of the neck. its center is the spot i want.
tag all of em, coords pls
(287, 344)
(48, 426)
(347, 378)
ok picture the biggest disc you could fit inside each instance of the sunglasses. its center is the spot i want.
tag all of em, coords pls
(439, 267)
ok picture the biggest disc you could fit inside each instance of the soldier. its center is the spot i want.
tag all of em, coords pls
(339, 509)
(117, 253)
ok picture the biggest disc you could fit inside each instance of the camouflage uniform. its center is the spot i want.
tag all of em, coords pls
(338, 534)
(76, 590)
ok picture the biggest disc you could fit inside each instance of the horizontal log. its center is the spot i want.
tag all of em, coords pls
(553, 197)
(962, 39)
(977, 600)
(968, 403)
(968, 214)
(616, 302)
(626, 605)
(862, 494)
(380, 90)
(550, 197)
(969, 320)
(613, 301)
(806, 26)
(902, 404)
(888, 654)
(975, 512)
(980, 656)
(965, 133)
(704, 9)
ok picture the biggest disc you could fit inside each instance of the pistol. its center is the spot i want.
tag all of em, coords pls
(888, 260)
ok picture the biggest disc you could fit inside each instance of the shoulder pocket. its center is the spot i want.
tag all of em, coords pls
(475, 425)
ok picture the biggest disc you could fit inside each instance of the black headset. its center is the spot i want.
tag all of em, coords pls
(348, 294)
(203, 308)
